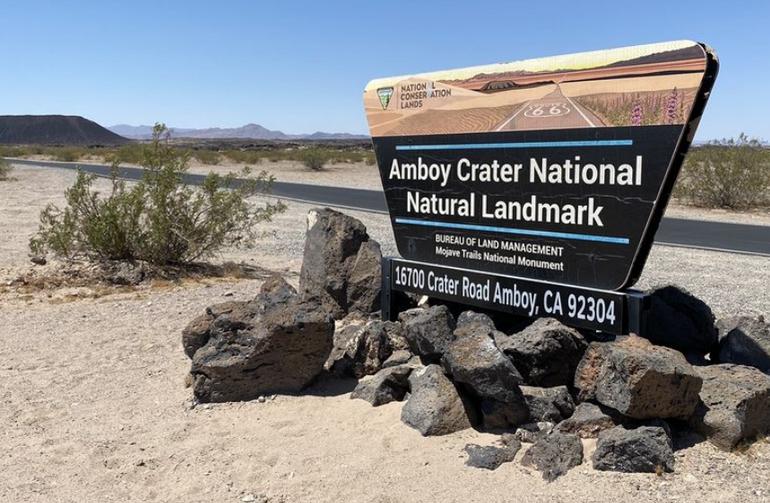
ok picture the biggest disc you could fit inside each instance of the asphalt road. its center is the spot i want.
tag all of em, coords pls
(553, 110)
(720, 236)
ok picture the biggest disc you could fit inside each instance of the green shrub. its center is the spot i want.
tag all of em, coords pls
(209, 157)
(314, 158)
(130, 153)
(5, 169)
(160, 219)
(67, 154)
(244, 156)
(13, 151)
(731, 173)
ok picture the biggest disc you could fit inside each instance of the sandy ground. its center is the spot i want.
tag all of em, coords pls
(94, 406)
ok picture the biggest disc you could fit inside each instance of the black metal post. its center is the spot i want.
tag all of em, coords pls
(638, 308)
(386, 294)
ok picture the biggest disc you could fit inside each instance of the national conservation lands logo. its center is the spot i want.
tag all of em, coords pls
(385, 93)
(412, 95)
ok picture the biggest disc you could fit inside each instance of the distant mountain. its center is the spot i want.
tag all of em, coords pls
(690, 52)
(133, 132)
(249, 131)
(55, 130)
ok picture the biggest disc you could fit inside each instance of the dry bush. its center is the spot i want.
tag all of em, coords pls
(314, 158)
(208, 157)
(5, 169)
(730, 173)
(161, 219)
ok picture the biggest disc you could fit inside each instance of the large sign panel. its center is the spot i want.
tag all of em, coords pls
(555, 169)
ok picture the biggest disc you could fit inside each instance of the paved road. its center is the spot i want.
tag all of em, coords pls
(728, 237)
(553, 110)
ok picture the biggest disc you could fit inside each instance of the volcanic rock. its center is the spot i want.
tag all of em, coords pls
(531, 432)
(473, 359)
(745, 341)
(548, 404)
(546, 352)
(434, 406)
(360, 346)
(387, 385)
(347, 332)
(474, 318)
(336, 272)
(275, 289)
(638, 379)
(679, 320)
(363, 293)
(735, 404)
(587, 421)
(647, 449)
(428, 331)
(490, 457)
(496, 416)
(554, 454)
(398, 357)
(272, 344)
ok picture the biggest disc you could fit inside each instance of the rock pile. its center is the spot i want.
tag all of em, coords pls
(275, 343)
(547, 385)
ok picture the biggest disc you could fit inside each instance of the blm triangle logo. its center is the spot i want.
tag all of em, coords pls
(385, 94)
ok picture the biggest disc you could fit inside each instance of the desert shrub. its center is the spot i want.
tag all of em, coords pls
(130, 153)
(243, 156)
(67, 154)
(314, 158)
(350, 156)
(209, 157)
(729, 173)
(5, 169)
(160, 219)
(13, 151)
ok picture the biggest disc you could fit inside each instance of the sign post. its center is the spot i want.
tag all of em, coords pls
(536, 187)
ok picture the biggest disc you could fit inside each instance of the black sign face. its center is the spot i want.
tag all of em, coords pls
(579, 307)
(556, 169)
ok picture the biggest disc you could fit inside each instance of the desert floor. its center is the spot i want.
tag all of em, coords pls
(94, 405)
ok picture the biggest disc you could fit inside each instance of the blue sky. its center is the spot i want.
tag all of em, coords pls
(301, 66)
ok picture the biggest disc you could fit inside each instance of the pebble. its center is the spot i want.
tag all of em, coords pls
(248, 498)
(261, 399)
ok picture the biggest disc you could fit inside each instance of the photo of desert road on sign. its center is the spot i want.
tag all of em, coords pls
(643, 85)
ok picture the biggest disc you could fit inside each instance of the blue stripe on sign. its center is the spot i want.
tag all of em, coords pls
(508, 230)
(523, 144)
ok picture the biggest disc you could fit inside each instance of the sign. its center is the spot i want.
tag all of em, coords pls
(579, 307)
(556, 169)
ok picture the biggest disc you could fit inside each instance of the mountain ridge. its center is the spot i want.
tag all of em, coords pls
(249, 131)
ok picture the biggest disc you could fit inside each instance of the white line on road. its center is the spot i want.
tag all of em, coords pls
(512, 116)
(579, 111)
(712, 248)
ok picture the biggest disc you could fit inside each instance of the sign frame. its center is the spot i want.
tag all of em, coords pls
(665, 143)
